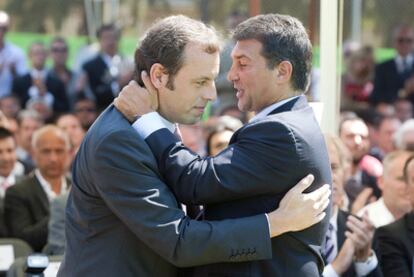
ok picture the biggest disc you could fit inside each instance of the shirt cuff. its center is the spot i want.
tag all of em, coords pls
(268, 225)
(147, 124)
(329, 271)
(364, 268)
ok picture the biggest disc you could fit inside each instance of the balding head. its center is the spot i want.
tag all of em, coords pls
(51, 147)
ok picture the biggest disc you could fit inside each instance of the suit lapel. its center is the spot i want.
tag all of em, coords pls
(40, 194)
(410, 226)
(342, 216)
(295, 104)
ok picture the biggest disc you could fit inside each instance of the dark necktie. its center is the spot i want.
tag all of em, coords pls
(328, 251)
(406, 69)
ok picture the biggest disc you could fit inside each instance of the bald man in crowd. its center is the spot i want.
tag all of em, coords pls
(27, 203)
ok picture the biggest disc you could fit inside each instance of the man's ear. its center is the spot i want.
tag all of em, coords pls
(284, 72)
(158, 76)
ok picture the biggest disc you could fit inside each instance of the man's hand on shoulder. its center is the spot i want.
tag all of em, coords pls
(134, 101)
(298, 210)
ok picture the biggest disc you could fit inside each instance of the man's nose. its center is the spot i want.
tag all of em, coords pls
(210, 93)
(231, 75)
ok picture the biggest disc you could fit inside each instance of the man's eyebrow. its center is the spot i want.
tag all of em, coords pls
(240, 56)
(202, 78)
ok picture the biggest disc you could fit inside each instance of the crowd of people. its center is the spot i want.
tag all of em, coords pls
(45, 113)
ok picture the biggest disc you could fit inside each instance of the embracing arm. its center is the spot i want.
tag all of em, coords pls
(241, 170)
(134, 192)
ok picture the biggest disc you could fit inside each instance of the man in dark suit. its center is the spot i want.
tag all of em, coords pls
(103, 72)
(394, 78)
(39, 84)
(396, 240)
(10, 170)
(347, 249)
(27, 202)
(270, 71)
(122, 220)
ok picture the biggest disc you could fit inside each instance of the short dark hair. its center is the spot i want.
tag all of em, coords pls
(165, 43)
(5, 133)
(107, 27)
(283, 38)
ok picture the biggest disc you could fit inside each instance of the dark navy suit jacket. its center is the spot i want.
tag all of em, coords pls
(264, 160)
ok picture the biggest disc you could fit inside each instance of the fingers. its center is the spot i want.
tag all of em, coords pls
(304, 183)
(318, 194)
(320, 217)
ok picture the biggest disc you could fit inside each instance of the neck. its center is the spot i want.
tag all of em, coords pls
(397, 212)
(59, 68)
(55, 182)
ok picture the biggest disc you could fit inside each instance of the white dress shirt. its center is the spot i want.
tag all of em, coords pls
(48, 188)
(18, 170)
(10, 55)
(378, 213)
(34, 92)
(399, 61)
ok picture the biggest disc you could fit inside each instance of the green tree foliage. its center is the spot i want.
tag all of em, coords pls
(32, 15)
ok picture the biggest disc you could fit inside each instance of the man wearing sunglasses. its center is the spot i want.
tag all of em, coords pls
(394, 78)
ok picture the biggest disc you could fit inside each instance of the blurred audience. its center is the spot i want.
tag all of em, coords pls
(39, 85)
(357, 81)
(12, 58)
(403, 109)
(394, 202)
(85, 111)
(107, 72)
(220, 134)
(59, 52)
(10, 170)
(387, 126)
(28, 121)
(347, 249)
(72, 126)
(393, 78)
(27, 204)
(10, 106)
(395, 241)
(404, 137)
(364, 168)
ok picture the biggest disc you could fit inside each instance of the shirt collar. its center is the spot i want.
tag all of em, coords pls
(35, 73)
(168, 124)
(47, 187)
(400, 61)
(272, 107)
(334, 218)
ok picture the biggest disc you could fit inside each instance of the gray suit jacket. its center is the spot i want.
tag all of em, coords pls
(122, 220)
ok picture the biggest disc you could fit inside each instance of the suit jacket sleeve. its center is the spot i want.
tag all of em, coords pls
(253, 165)
(135, 193)
(391, 254)
(19, 223)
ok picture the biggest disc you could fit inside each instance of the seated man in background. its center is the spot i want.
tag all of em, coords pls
(10, 169)
(27, 202)
(394, 202)
(347, 249)
(396, 240)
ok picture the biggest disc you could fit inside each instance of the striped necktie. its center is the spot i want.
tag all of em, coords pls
(328, 251)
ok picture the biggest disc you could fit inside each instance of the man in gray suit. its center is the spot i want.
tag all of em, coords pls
(121, 218)
(270, 72)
